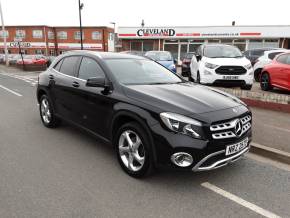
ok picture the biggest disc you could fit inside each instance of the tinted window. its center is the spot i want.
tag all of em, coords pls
(58, 65)
(68, 65)
(89, 68)
(137, 72)
(288, 59)
(282, 59)
(273, 55)
(257, 52)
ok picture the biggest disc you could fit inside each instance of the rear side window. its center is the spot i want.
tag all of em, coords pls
(282, 59)
(68, 65)
(287, 59)
(273, 55)
(89, 68)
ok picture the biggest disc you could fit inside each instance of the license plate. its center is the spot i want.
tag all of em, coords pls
(232, 149)
(231, 77)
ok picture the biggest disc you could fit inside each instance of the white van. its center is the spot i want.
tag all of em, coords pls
(221, 64)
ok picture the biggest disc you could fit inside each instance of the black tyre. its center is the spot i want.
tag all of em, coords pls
(246, 87)
(265, 82)
(198, 77)
(257, 75)
(134, 150)
(46, 113)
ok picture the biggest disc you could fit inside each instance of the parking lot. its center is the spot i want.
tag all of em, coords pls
(67, 173)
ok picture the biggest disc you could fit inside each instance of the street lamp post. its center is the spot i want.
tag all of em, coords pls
(114, 23)
(4, 36)
(81, 5)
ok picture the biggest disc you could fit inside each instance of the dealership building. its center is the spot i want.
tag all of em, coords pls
(180, 40)
(56, 40)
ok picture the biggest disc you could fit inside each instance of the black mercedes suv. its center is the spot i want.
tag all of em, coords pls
(152, 117)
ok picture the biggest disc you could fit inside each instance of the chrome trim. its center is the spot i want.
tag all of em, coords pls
(223, 135)
(219, 163)
(223, 126)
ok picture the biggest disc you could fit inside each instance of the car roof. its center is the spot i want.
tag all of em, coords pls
(275, 50)
(105, 55)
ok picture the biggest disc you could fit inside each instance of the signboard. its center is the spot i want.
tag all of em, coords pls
(17, 39)
(205, 32)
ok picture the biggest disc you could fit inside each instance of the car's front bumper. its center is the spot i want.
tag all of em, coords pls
(213, 77)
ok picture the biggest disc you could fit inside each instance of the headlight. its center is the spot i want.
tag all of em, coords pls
(248, 67)
(211, 66)
(181, 124)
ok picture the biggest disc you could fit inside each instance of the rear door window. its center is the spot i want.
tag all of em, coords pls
(69, 65)
(58, 65)
(89, 68)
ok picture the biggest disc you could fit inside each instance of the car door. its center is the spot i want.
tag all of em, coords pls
(286, 73)
(94, 105)
(64, 86)
(278, 74)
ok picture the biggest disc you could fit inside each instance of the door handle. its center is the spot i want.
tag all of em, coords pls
(75, 84)
(51, 77)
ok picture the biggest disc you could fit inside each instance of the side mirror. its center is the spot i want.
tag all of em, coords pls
(96, 82)
(175, 61)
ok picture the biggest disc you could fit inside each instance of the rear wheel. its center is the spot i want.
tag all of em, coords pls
(265, 82)
(198, 77)
(134, 150)
(47, 114)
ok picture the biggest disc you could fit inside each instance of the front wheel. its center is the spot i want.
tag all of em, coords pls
(134, 150)
(265, 82)
(47, 114)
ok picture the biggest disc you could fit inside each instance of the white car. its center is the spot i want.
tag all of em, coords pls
(265, 59)
(221, 64)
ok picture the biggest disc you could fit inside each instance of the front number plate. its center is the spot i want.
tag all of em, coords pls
(231, 77)
(232, 149)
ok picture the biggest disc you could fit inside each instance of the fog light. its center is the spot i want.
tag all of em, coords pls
(182, 159)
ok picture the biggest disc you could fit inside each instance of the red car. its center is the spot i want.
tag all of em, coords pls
(32, 60)
(276, 74)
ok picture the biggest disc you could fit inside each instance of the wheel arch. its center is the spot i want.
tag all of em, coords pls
(124, 116)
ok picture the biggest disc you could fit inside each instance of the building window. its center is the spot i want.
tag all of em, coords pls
(37, 34)
(50, 35)
(39, 51)
(62, 35)
(51, 53)
(20, 34)
(96, 35)
(2, 34)
(77, 35)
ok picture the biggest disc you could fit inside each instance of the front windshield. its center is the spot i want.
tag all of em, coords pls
(222, 52)
(159, 56)
(140, 72)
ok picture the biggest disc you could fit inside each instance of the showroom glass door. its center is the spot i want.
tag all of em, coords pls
(172, 47)
(183, 51)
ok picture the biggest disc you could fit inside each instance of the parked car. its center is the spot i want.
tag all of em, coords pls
(12, 59)
(185, 67)
(162, 57)
(221, 64)
(265, 59)
(152, 117)
(276, 74)
(32, 60)
(254, 54)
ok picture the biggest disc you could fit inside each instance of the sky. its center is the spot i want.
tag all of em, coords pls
(154, 12)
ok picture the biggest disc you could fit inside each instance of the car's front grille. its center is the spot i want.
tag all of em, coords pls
(233, 128)
(231, 70)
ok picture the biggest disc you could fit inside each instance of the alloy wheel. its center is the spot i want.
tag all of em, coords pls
(45, 111)
(131, 150)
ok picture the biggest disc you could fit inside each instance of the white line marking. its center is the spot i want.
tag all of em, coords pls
(240, 201)
(11, 91)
